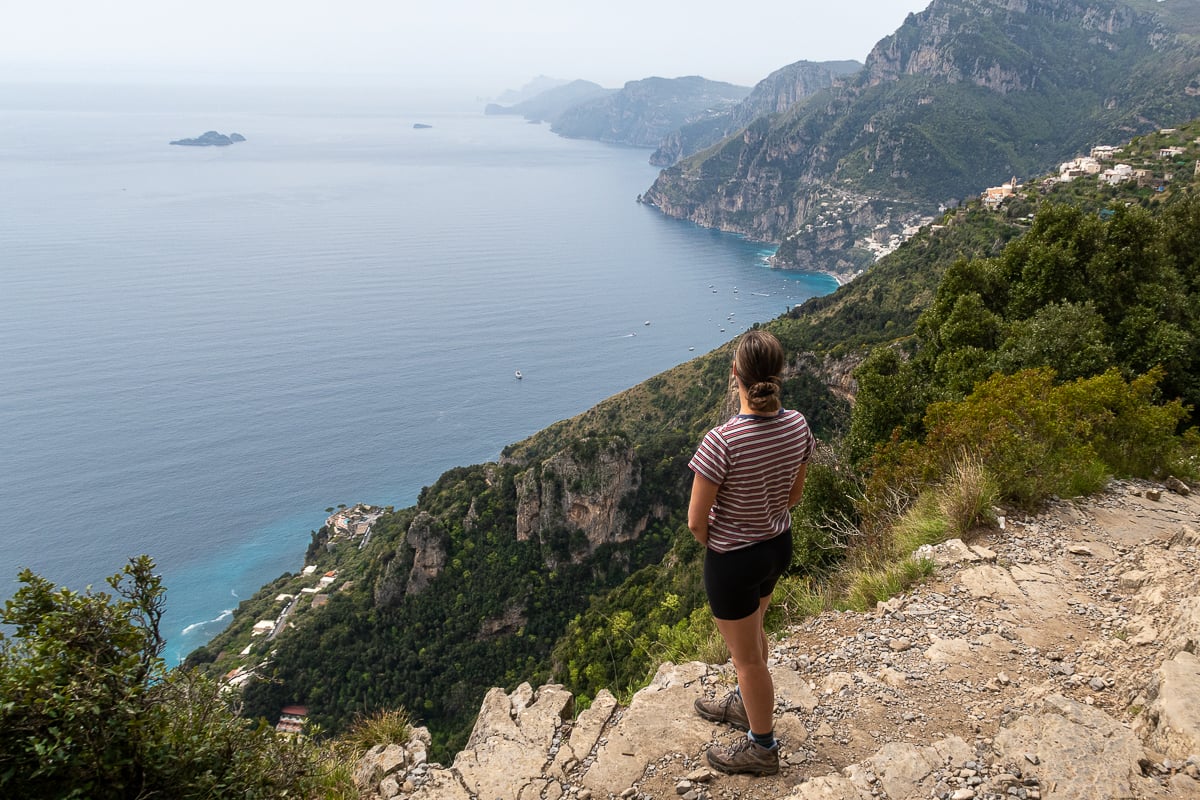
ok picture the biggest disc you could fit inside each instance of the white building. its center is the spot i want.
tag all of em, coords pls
(1118, 174)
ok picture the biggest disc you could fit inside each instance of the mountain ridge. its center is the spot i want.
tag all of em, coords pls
(963, 89)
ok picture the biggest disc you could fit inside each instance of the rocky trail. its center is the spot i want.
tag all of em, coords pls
(1053, 658)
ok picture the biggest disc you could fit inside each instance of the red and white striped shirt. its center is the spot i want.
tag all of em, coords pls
(753, 460)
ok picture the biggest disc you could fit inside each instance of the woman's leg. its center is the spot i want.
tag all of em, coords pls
(747, 642)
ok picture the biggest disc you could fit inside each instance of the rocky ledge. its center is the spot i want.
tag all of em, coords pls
(1051, 659)
(211, 139)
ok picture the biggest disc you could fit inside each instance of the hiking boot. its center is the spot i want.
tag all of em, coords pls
(730, 710)
(745, 757)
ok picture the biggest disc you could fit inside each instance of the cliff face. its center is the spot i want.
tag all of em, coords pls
(965, 94)
(1052, 658)
(774, 94)
(645, 111)
(578, 489)
(428, 543)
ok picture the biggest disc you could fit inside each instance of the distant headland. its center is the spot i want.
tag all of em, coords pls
(211, 139)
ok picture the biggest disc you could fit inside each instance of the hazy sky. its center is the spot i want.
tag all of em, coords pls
(481, 46)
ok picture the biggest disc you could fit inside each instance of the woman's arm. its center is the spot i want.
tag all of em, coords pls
(798, 485)
(704, 494)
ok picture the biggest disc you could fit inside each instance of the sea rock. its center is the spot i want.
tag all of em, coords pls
(211, 139)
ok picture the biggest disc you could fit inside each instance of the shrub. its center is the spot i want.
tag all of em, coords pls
(88, 711)
(819, 522)
(1038, 438)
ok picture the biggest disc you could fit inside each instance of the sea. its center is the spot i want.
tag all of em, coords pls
(202, 349)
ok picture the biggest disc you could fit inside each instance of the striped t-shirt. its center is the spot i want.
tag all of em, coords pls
(753, 460)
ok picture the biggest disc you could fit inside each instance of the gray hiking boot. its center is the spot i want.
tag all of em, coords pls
(745, 757)
(729, 710)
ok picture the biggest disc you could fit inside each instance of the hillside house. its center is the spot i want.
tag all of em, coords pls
(1170, 152)
(995, 195)
(1077, 168)
(263, 626)
(353, 522)
(1118, 174)
(1104, 152)
(292, 719)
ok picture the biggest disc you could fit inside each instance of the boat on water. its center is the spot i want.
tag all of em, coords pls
(517, 375)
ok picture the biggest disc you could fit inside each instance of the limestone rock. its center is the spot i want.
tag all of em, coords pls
(658, 721)
(902, 768)
(1171, 722)
(509, 746)
(428, 542)
(951, 551)
(1089, 754)
(579, 488)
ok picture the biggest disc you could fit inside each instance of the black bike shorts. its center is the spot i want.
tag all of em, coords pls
(736, 582)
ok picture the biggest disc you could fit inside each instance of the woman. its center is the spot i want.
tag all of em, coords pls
(749, 472)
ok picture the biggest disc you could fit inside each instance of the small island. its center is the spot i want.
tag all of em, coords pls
(211, 139)
(420, 125)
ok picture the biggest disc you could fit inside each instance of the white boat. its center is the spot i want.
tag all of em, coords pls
(517, 374)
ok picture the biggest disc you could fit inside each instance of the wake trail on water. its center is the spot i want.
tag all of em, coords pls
(226, 614)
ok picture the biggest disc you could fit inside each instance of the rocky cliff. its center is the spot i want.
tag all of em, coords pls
(548, 105)
(964, 95)
(774, 94)
(1053, 658)
(579, 489)
(645, 111)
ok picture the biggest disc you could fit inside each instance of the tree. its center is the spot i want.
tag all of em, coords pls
(87, 709)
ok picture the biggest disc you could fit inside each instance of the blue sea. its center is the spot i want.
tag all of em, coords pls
(201, 349)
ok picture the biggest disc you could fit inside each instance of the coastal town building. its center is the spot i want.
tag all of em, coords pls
(1104, 152)
(292, 719)
(1078, 168)
(354, 522)
(1117, 174)
(993, 196)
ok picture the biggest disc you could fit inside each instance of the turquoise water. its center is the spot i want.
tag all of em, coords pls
(203, 348)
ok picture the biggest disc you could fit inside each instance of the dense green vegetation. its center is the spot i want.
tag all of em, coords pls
(87, 709)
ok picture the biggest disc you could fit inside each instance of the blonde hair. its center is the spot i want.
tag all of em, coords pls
(758, 364)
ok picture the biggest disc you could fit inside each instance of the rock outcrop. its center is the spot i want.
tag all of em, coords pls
(1051, 659)
(428, 543)
(579, 489)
